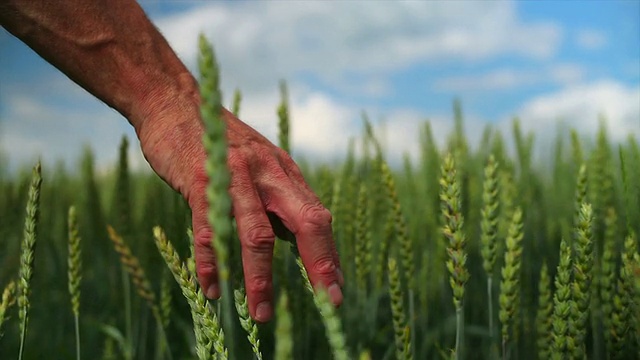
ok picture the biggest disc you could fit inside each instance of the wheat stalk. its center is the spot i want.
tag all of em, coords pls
(27, 253)
(215, 144)
(237, 99)
(398, 314)
(132, 266)
(607, 276)
(363, 239)
(330, 319)
(8, 299)
(400, 222)
(562, 305)
(207, 328)
(582, 269)
(454, 234)
(246, 322)
(544, 314)
(75, 273)
(489, 228)
(626, 327)
(283, 119)
(510, 284)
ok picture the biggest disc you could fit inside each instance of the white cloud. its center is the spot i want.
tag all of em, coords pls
(261, 42)
(510, 78)
(579, 107)
(320, 126)
(349, 47)
(591, 39)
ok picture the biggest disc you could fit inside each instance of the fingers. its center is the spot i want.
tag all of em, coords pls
(257, 239)
(311, 223)
(293, 172)
(206, 269)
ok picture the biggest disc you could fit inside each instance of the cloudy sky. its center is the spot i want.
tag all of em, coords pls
(549, 62)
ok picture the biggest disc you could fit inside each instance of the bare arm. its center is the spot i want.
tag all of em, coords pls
(111, 49)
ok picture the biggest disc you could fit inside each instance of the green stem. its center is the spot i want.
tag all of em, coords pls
(412, 321)
(23, 335)
(490, 298)
(459, 330)
(164, 342)
(77, 325)
(504, 349)
(127, 313)
(228, 310)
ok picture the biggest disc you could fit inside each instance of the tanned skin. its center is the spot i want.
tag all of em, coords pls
(110, 48)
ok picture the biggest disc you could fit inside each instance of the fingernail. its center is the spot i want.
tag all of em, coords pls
(340, 277)
(263, 311)
(213, 292)
(335, 294)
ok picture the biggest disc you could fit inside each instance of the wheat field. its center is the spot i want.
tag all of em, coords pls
(468, 253)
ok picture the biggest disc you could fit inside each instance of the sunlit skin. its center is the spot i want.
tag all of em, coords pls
(111, 49)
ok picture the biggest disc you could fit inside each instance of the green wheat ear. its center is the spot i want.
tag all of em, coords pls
(333, 325)
(237, 99)
(207, 330)
(75, 272)
(453, 231)
(543, 317)
(581, 192)
(246, 322)
(363, 239)
(132, 265)
(74, 262)
(400, 222)
(454, 234)
(399, 316)
(489, 224)
(510, 284)
(283, 119)
(489, 228)
(582, 272)
(8, 299)
(562, 305)
(328, 314)
(627, 289)
(215, 144)
(607, 275)
(27, 253)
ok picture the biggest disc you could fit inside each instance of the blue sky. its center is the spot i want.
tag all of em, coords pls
(402, 62)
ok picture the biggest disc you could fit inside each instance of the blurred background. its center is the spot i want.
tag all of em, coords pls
(554, 64)
(557, 65)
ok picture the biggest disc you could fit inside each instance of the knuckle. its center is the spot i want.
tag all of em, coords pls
(316, 215)
(202, 238)
(205, 270)
(284, 156)
(259, 237)
(258, 285)
(324, 267)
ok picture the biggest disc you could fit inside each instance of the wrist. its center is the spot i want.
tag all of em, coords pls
(158, 101)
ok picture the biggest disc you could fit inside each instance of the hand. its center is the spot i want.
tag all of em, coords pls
(115, 53)
(265, 182)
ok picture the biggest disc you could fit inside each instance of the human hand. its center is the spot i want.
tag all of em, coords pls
(265, 183)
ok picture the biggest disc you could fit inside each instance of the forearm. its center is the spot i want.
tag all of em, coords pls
(109, 47)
